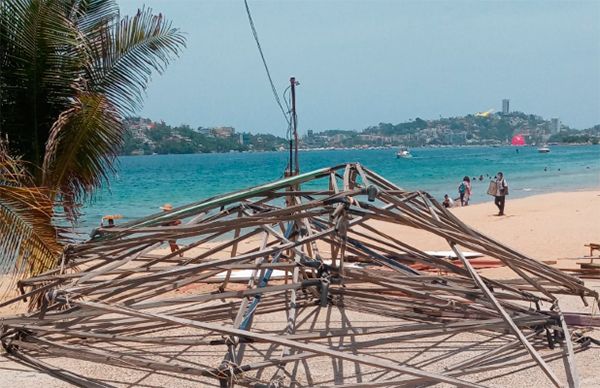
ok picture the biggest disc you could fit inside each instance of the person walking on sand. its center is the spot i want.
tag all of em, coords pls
(464, 190)
(501, 193)
(172, 243)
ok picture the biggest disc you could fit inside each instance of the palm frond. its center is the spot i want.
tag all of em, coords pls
(40, 64)
(121, 56)
(81, 151)
(125, 54)
(92, 15)
(29, 243)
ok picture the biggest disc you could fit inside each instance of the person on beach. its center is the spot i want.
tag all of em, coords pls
(464, 190)
(110, 223)
(501, 192)
(172, 243)
(448, 202)
(110, 220)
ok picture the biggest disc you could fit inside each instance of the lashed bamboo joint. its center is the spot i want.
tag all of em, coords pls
(304, 249)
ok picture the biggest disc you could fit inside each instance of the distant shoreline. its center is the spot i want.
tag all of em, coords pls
(368, 149)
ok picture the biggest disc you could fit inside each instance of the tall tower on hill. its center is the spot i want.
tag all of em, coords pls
(554, 126)
(505, 106)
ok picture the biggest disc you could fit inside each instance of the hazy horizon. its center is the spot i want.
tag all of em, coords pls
(361, 63)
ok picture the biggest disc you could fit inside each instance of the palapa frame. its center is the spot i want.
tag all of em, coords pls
(116, 290)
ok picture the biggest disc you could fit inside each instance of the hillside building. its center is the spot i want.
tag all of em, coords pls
(554, 126)
(505, 106)
(223, 132)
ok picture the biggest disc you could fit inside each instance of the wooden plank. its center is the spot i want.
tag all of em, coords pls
(572, 374)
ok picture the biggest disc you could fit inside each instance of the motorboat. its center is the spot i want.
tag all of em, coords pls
(403, 153)
(544, 149)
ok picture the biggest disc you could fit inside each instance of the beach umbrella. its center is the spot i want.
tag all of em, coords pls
(518, 140)
(112, 217)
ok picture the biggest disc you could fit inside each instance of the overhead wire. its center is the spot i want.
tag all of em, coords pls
(288, 115)
(264, 61)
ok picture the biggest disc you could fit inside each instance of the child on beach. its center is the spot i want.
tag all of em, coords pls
(448, 202)
(464, 190)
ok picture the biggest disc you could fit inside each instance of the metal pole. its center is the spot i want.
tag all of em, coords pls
(293, 84)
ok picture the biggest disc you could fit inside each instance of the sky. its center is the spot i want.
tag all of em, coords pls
(360, 63)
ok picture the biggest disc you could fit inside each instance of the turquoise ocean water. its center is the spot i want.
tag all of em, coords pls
(144, 183)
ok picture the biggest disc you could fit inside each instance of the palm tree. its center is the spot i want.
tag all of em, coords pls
(70, 72)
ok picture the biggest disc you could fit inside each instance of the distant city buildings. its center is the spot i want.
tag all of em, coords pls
(554, 126)
(223, 132)
(203, 131)
(137, 128)
(505, 106)
(485, 128)
(459, 138)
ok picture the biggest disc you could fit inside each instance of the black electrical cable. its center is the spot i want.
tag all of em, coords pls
(262, 56)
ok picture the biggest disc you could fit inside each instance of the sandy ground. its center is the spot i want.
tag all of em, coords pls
(317, 371)
(548, 226)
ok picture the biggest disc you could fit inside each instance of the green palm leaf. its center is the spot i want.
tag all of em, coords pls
(124, 55)
(70, 71)
(29, 243)
(92, 15)
(40, 65)
(86, 139)
(81, 150)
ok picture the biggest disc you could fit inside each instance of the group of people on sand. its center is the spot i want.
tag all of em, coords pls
(498, 188)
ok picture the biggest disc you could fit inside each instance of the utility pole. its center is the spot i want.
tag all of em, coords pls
(293, 84)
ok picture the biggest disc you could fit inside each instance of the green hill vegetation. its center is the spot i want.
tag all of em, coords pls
(146, 137)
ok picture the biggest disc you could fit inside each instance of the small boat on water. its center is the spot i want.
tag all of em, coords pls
(544, 149)
(403, 153)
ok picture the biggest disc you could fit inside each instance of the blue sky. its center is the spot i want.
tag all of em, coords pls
(364, 62)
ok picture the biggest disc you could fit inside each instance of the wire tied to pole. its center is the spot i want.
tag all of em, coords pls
(264, 61)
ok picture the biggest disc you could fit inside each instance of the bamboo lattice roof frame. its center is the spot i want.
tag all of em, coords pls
(116, 290)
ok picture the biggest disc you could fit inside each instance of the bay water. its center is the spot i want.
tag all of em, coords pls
(144, 183)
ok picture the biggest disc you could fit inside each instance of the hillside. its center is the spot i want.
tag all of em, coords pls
(144, 136)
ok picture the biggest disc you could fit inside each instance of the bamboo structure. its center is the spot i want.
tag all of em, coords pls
(117, 299)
